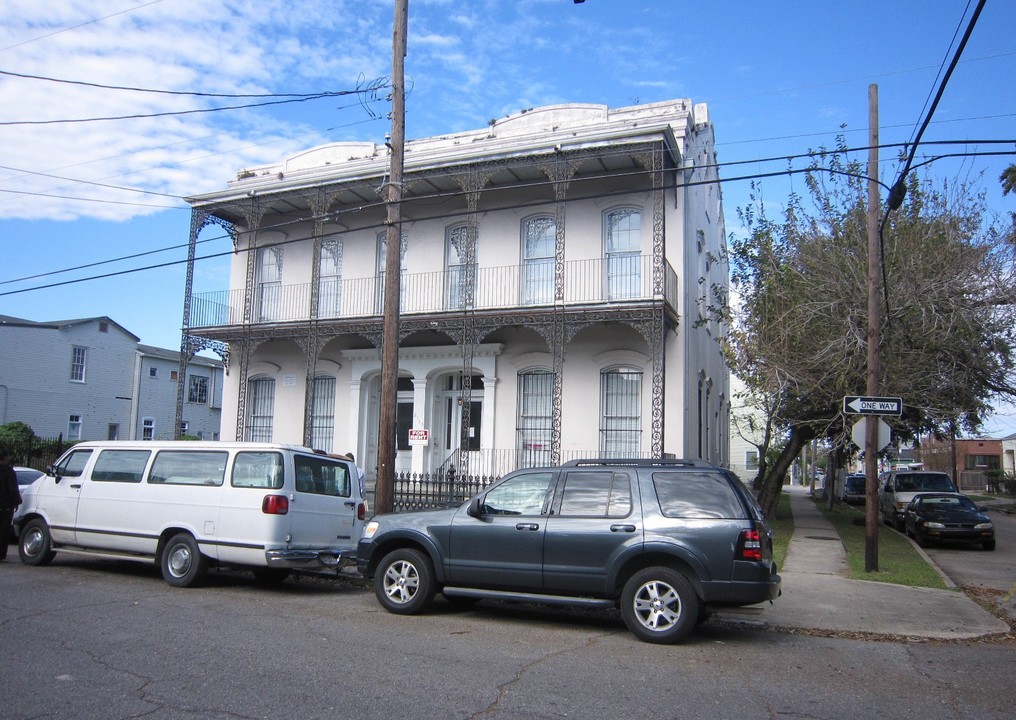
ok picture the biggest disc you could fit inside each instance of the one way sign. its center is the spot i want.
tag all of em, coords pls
(853, 404)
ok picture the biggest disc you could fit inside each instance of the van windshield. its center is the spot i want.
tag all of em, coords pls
(924, 481)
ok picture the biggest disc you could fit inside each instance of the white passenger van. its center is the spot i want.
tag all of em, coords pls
(187, 505)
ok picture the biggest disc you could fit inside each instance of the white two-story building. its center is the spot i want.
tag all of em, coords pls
(554, 266)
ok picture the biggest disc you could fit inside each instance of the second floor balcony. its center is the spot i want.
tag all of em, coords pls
(617, 280)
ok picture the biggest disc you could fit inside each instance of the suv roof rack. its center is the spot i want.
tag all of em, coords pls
(638, 462)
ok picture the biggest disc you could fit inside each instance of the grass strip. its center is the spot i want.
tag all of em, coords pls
(899, 562)
(783, 528)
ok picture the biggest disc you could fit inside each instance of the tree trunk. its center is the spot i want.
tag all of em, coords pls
(772, 482)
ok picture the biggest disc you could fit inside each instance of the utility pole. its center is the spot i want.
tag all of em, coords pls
(874, 311)
(384, 489)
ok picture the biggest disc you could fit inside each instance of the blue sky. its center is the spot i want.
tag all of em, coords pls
(779, 79)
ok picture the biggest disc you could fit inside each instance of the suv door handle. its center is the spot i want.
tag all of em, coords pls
(622, 528)
(526, 526)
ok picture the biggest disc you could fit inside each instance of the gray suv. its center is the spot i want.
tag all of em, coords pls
(662, 539)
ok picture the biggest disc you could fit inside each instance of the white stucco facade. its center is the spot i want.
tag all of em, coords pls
(554, 267)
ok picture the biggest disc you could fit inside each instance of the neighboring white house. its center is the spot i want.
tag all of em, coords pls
(89, 379)
(157, 371)
(554, 268)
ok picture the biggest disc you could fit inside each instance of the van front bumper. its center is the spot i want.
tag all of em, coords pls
(310, 558)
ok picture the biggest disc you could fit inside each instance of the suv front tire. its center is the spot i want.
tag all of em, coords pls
(404, 582)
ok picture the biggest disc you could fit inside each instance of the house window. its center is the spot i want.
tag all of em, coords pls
(751, 459)
(982, 462)
(330, 279)
(621, 403)
(269, 269)
(74, 427)
(539, 236)
(322, 414)
(459, 272)
(623, 246)
(148, 428)
(534, 426)
(104, 327)
(382, 265)
(174, 374)
(78, 356)
(261, 409)
(153, 372)
(197, 391)
(113, 431)
(184, 427)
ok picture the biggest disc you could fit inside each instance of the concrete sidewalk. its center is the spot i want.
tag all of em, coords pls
(818, 595)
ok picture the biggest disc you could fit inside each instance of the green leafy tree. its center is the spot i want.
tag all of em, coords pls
(799, 322)
(16, 434)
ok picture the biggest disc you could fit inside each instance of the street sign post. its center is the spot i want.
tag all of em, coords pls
(859, 405)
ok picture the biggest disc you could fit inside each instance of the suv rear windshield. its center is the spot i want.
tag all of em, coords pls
(697, 495)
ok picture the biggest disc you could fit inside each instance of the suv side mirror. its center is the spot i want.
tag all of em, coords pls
(474, 509)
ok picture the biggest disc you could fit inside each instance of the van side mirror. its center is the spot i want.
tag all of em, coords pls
(474, 509)
(53, 471)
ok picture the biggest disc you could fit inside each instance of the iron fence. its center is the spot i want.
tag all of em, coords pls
(424, 491)
(37, 452)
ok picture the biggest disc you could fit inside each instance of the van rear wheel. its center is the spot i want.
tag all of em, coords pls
(181, 562)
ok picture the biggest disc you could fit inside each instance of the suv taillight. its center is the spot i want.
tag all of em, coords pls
(275, 505)
(749, 545)
(361, 511)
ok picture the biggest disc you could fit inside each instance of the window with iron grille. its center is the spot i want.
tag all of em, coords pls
(621, 410)
(322, 418)
(534, 426)
(261, 409)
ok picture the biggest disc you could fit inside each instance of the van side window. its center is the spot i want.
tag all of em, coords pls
(120, 466)
(320, 476)
(258, 470)
(188, 467)
(74, 464)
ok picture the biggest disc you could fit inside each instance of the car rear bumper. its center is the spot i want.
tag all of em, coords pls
(765, 588)
(309, 558)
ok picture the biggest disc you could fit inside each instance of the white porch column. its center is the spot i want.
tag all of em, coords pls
(487, 428)
(420, 421)
(353, 441)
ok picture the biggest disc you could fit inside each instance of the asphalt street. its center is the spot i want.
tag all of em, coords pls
(88, 639)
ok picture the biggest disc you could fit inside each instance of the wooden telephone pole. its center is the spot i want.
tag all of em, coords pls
(874, 318)
(384, 489)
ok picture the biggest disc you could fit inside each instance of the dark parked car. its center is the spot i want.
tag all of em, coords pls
(661, 539)
(947, 516)
(854, 489)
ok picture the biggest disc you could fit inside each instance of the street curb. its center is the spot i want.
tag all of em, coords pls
(934, 566)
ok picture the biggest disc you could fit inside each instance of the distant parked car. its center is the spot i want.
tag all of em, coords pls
(947, 516)
(854, 489)
(900, 486)
(26, 478)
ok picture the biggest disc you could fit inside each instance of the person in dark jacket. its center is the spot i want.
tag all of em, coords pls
(10, 498)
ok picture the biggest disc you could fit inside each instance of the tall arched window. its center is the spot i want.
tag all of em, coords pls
(382, 265)
(330, 279)
(260, 409)
(623, 248)
(269, 283)
(621, 412)
(534, 426)
(457, 266)
(539, 237)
